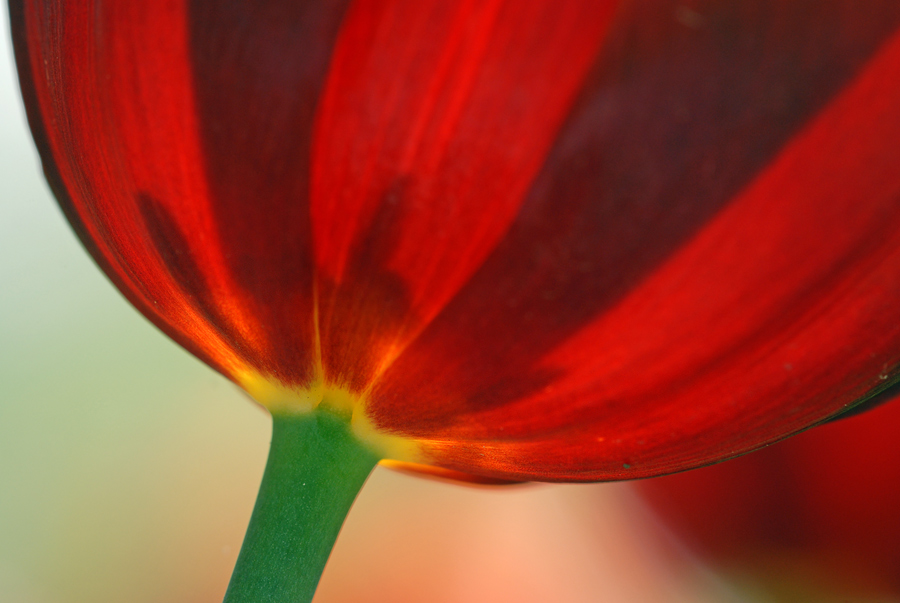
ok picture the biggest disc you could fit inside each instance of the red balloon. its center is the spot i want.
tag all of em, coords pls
(817, 513)
(546, 240)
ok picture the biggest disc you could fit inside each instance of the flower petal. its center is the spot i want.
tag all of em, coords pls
(436, 119)
(574, 240)
(149, 154)
(824, 503)
(685, 314)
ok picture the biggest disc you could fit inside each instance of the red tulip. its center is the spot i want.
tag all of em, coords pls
(572, 240)
(815, 516)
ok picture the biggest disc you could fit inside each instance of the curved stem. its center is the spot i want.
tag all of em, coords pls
(315, 469)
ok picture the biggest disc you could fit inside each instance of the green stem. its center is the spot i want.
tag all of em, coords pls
(315, 469)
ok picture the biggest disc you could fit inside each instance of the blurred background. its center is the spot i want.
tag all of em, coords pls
(128, 469)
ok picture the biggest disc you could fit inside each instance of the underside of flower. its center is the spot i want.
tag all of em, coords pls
(520, 240)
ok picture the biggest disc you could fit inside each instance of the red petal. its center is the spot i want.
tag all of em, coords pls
(435, 120)
(150, 155)
(111, 166)
(542, 258)
(777, 314)
(827, 498)
(259, 68)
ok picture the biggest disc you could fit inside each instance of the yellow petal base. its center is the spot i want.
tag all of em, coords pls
(283, 400)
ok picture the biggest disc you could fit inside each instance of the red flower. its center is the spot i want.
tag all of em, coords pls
(570, 240)
(815, 515)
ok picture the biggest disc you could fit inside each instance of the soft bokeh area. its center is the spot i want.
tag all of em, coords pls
(128, 469)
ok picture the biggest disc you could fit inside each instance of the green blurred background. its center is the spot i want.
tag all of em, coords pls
(128, 469)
